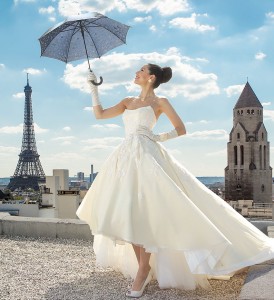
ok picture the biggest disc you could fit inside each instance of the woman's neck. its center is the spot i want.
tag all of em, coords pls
(147, 94)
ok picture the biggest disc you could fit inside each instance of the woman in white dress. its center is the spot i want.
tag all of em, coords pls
(150, 216)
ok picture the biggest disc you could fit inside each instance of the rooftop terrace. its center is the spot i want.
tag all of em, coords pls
(46, 268)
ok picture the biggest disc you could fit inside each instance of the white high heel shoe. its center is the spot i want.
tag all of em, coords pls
(138, 294)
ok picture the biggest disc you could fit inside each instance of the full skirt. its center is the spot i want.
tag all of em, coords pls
(143, 196)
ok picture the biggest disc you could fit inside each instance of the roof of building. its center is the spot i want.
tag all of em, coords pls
(2, 195)
(248, 98)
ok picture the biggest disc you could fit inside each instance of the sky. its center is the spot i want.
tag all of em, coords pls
(212, 46)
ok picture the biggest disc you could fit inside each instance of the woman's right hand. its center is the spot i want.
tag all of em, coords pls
(93, 88)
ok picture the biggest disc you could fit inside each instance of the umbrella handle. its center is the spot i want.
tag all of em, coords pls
(97, 83)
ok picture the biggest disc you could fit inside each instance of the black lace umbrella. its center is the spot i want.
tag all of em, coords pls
(88, 35)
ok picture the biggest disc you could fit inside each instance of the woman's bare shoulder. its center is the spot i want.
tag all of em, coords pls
(128, 100)
(163, 101)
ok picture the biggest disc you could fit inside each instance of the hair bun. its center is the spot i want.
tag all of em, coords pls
(167, 74)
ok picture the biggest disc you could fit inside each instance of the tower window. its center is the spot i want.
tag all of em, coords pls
(252, 111)
(242, 111)
(238, 135)
(262, 136)
(264, 157)
(238, 112)
(242, 155)
(262, 188)
(261, 157)
(235, 155)
(248, 111)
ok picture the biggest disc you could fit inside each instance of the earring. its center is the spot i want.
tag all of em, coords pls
(149, 80)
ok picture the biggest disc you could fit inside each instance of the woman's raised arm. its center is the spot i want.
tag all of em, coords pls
(110, 112)
(98, 110)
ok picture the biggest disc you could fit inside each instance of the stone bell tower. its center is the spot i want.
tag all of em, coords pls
(248, 174)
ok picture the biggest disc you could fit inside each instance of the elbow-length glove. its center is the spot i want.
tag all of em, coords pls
(161, 137)
(93, 88)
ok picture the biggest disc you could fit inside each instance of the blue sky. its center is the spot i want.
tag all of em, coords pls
(211, 45)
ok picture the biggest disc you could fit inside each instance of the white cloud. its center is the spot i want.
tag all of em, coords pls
(16, 2)
(38, 129)
(33, 71)
(64, 159)
(204, 122)
(19, 129)
(266, 103)
(52, 19)
(197, 122)
(217, 134)
(106, 126)
(222, 152)
(270, 15)
(50, 11)
(260, 56)
(269, 114)
(164, 7)
(88, 108)
(152, 28)
(142, 19)
(106, 143)
(234, 90)
(7, 151)
(66, 128)
(2, 66)
(64, 138)
(191, 23)
(187, 80)
(103, 141)
(46, 10)
(19, 95)
(12, 129)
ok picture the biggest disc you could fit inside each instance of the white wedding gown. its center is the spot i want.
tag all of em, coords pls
(143, 196)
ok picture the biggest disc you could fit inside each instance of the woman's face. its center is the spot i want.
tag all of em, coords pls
(142, 76)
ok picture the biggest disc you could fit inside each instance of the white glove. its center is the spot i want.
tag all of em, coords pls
(93, 88)
(157, 137)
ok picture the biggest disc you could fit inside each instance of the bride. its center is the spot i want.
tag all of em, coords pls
(150, 216)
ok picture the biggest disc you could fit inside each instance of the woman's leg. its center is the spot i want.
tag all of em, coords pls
(144, 267)
(137, 252)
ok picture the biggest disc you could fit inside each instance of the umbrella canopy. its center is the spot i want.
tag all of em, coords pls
(88, 35)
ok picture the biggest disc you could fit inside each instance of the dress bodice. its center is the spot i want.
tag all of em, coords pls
(134, 118)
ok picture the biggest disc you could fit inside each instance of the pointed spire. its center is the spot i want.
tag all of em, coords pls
(248, 98)
(27, 87)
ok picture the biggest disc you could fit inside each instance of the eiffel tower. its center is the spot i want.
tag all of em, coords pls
(29, 172)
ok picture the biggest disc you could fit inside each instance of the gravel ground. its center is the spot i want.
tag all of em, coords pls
(65, 269)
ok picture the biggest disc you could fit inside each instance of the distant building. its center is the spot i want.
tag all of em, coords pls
(80, 176)
(63, 178)
(248, 174)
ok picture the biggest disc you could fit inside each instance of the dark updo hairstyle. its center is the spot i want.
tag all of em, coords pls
(162, 74)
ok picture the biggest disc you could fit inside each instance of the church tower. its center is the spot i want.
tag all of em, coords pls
(248, 175)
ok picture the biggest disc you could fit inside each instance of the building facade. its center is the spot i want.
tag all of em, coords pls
(248, 174)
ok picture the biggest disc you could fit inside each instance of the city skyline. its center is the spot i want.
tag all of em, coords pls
(212, 48)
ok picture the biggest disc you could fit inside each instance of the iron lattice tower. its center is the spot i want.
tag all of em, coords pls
(29, 172)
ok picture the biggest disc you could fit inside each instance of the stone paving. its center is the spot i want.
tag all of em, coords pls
(43, 268)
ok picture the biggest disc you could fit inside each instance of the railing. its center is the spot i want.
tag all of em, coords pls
(262, 205)
(259, 210)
